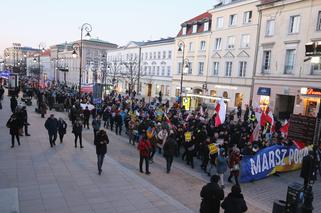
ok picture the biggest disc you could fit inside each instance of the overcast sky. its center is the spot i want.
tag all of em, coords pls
(31, 22)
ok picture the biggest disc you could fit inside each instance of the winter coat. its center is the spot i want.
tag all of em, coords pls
(144, 147)
(101, 142)
(234, 203)
(62, 127)
(96, 124)
(308, 167)
(51, 125)
(211, 195)
(170, 147)
(77, 128)
(221, 164)
(13, 124)
(13, 103)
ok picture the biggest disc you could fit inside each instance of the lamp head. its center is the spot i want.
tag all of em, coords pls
(74, 54)
(87, 36)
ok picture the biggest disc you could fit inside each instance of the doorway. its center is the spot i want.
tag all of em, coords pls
(284, 106)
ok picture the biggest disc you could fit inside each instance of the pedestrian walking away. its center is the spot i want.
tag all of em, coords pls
(1, 95)
(234, 202)
(211, 195)
(24, 115)
(62, 129)
(169, 150)
(144, 148)
(14, 126)
(51, 125)
(77, 130)
(96, 125)
(101, 148)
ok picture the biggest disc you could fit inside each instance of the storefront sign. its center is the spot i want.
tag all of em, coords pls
(301, 128)
(272, 159)
(264, 91)
(311, 91)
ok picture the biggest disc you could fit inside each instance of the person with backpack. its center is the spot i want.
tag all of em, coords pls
(144, 148)
(234, 202)
(101, 148)
(14, 126)
(211, 195)
(62, 129)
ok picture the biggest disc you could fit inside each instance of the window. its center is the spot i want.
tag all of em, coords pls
(184, 31)
(149, 70)
(154, 55)
(206, 26)
(289, 61)
(202, 45)
(150, 55)
(169, 54)
(168, 89)
(269, 31)
(245, 41)
(215, 68)
(218, 43)
(190, 46)
(266, 61)
(146, 56)
(228, 68)
(179, 67)
(294, 24)
(230, 42)
(159, 55)
(194, 28)
(242, 68)
(153, 72)
(232, 20)
(163, 70)
(168, 71)
(219, 23)
(316, 69)
(319, 21)
(200, 68)
(164, 54)
(247, 17)
(190, 68)
(157, 73)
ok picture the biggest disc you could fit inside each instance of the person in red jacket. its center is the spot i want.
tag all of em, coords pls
(144, 148)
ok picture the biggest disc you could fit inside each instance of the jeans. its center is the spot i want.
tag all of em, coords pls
(61, 136)
(169, 161)
(141, 159)
(52, 139)
(118, 129)
(100, 161)
(80, 140)
(235, 177)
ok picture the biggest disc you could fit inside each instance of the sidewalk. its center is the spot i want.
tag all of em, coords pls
(65, 179)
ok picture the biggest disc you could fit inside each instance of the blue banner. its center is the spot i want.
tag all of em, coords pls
(272, 159)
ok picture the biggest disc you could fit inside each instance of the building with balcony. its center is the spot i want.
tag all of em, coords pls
(282, 73)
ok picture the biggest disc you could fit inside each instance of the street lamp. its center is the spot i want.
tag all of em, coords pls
(88, 28)
(181, 48)
(41, 50)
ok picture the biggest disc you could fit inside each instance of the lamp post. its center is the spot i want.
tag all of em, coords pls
(88, 28)
(181, 48)
(41, 49)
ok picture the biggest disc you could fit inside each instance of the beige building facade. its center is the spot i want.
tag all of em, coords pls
(282, 73)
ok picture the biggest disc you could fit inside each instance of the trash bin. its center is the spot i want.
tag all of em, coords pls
(279, 206)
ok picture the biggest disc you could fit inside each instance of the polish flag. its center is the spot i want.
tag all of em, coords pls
(299, 144)
(220, 112)
(256, 133)
(285, 128)
(258, 112)
(267, 117)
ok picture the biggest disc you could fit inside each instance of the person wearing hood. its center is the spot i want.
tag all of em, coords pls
(234, 202)
(211, 195)
(169, 149)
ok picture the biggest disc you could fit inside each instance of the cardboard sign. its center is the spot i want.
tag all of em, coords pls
(213, 149)
(188, 136)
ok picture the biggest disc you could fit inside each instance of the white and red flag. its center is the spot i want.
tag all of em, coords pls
(220, 112)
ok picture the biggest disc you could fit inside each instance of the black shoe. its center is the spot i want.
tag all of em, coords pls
(75, 146)
(81, 147)
(99, 172)
(12, 146)
(27, 134)
(18, 144)
(230, 181)
(141, 171)
(147, 173)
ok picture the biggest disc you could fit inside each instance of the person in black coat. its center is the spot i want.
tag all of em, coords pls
(13, 103)
(101, 148)
(62, 129)
(1, 95)
(234, 202)
(169, 149)
(308, 169)
(24, 115)
(211, 195)
(119, 123)
(77, 130)
(13, 124)
(51, 125)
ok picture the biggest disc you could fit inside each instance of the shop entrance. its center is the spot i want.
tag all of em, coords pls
(284, 106)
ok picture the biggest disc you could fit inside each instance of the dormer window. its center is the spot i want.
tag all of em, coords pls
(194, 28)
(206, 26)
(184, 31)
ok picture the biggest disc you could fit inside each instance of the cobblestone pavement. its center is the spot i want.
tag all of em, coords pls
(64, 179)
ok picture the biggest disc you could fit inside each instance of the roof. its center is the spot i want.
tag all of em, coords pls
(268, 1)
(191, 22)
(160, 41)
(97, 40)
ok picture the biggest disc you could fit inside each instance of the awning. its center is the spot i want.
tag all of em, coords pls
(264, 91)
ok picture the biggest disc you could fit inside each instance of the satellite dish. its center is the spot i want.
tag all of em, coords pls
(217, 2)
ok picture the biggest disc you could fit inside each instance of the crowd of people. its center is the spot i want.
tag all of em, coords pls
(155, 126)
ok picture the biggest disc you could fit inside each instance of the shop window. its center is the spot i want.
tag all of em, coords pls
(225, 94)
(213, 94)
(238, 99)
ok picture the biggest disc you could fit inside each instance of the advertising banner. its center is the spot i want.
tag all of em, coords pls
(272, 159)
